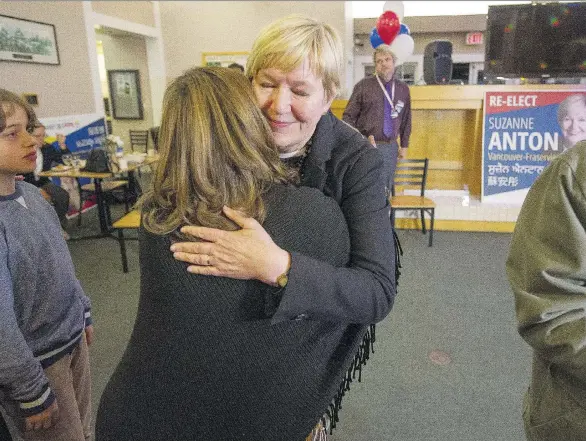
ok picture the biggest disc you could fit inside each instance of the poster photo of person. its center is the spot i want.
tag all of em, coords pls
(572, 120)
(523, 132)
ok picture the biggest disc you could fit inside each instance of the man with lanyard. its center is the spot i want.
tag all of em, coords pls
(380, 108)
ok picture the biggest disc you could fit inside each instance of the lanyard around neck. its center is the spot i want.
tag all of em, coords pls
(389, 99)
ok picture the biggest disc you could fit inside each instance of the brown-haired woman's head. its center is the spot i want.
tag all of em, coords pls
(216, 149)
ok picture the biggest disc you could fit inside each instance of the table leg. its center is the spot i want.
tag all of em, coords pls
(102, 208)
(134, 190)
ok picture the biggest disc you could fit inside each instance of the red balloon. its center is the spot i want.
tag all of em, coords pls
(388, 26)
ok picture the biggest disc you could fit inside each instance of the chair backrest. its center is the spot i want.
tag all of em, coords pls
(411, 173)
(139, 139)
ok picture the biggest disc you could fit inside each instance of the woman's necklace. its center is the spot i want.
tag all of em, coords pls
(295, 161)
(292, 154)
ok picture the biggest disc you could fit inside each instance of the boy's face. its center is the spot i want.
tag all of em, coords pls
(18, 153)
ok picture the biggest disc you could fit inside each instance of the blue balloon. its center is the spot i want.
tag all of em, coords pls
(375, 39)
(404, 29)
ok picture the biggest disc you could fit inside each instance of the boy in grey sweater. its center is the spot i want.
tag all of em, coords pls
(45, 323)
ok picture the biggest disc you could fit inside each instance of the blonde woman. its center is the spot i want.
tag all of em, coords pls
(207, 359)
(295, 70)
(295, 67)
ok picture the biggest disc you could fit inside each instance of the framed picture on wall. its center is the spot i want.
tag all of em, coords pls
(125, 97)
(27, 41)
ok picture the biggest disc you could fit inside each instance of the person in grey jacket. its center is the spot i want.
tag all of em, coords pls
(45, 321)
(546, 268)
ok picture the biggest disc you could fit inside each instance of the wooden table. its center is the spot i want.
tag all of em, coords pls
(105, 227)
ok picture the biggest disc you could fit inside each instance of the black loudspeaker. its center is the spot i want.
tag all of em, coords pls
(437, 62)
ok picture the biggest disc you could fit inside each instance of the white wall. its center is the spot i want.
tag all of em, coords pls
(129, 52)
(73, 87)
(64, 89)
(190, 28)
(135, 11)
(151, 34)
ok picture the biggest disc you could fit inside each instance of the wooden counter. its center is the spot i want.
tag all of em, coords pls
(447, 129)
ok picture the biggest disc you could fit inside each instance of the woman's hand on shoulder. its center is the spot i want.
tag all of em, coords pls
(248, 253)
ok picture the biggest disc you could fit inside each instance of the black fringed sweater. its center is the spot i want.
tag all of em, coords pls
(204, 361)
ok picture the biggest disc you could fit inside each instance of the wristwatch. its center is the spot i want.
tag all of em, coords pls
(284, 278)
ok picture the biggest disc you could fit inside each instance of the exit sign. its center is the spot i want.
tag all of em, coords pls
(474, 38)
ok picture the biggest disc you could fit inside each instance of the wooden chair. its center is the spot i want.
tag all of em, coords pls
(139, 140)
(412, 173)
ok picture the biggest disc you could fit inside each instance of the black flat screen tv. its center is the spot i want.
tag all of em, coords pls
(536, 40)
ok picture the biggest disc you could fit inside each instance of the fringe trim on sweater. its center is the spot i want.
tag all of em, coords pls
(398, 254)
(331, 417)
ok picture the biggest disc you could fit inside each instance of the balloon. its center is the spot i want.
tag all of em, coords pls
(402, 47)
(375, 39)
(388, 26)
(396, 7)
(404, 29)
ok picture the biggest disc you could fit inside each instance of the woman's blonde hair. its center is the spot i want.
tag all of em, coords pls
(216, 149)
(287, 42)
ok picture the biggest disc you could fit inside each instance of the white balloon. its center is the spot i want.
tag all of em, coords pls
(402, 46)
(396, 7)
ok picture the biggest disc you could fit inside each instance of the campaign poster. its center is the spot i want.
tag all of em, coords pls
(82, 134)
(523, 133)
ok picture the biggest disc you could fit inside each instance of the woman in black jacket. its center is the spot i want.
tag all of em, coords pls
(295, 67)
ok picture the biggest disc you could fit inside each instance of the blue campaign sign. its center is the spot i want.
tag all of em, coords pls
(523, 132)
(87, 137)
(83, 132)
